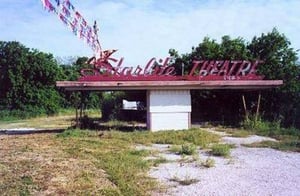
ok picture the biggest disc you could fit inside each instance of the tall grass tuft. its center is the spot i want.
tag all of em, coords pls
(221, 150)
(184, 149)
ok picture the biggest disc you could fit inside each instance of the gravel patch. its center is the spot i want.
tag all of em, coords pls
(248, 171)
(247, 140)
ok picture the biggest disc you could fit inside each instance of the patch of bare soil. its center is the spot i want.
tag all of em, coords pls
(36, 164)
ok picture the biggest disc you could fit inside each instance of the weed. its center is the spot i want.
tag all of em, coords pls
(158, 161)
(221, 150)
(188, 149)
(261, 127)
(208, 163)
(187, 180)
(184, 149)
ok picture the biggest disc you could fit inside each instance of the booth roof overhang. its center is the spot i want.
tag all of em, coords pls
(166, 85)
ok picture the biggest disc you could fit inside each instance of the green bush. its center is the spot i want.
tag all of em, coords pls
(261, 127)
(188, 149)
(265, 128)
(220, 150)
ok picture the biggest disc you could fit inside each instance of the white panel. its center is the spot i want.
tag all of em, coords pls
(169, 101)
(169, 121)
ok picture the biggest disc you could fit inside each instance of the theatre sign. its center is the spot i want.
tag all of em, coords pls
(110, 69)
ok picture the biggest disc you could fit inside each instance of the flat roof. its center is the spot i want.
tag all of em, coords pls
(165, 85)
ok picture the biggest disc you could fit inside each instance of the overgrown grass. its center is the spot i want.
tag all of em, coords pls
(127, 167)
(75, 133)
(112, 152)
(63, 119)
(266, 128)
(286, 143)
(288, 138)
(236, 132)
(197, 137)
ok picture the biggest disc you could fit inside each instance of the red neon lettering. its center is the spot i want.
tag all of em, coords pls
(138, 70)
(214, 70)
(254, 67)
(205, 68)
(201, 70)
(234, 64)
(195, 66)
(147, 70)
(244, 67)
(126, 71)
(224, 69)
(170, 71)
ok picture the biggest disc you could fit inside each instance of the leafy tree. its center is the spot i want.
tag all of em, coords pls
(279, 63)
(27, 79)
(72, 99)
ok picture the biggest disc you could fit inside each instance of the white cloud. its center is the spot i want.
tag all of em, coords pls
(142, 29)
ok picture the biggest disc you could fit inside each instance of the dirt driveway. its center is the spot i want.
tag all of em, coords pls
(248, 171)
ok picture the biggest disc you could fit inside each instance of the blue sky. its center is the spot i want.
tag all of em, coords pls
(142, 29)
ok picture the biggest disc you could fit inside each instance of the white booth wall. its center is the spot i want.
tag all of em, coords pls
(168, 109)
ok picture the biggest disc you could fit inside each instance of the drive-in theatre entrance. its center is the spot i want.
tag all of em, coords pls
(168, 94)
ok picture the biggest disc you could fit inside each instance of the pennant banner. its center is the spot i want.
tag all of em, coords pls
(67, 13)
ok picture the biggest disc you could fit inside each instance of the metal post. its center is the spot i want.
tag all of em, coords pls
(258, 106)
(245, 107)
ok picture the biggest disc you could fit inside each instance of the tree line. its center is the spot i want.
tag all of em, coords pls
(28, 76)
(280, 63)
